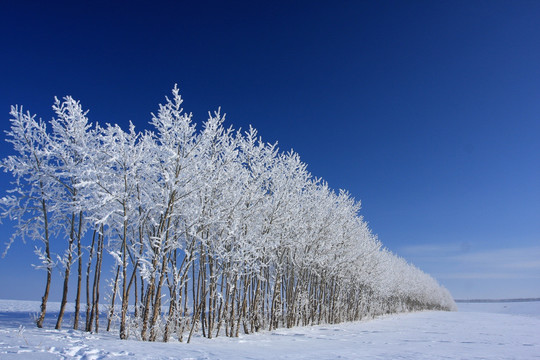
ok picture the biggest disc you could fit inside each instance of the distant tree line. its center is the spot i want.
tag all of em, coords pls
(211, 230)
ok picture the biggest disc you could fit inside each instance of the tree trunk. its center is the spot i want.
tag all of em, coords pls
(45, 297)
(66, 276)
(115, 290)
(88, 267)
(79, 276)
(123, 314)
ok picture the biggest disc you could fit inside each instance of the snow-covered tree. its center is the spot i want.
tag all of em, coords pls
(227, 231)
(28, 202)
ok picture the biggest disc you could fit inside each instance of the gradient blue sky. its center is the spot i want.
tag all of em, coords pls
(426, 111)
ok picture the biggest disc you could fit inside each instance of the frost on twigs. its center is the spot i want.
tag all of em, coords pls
(45, 262)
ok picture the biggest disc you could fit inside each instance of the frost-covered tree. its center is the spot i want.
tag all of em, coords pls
(222, 229)
(28, 202)
(68, 146)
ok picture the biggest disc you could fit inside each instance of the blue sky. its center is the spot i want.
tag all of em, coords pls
(427, 112)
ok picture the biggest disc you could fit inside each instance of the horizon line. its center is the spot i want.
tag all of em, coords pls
(496, 300)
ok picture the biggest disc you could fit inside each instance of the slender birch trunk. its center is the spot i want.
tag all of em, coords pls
(88, 267)
(66, 275)
(79, 275)
(41, 317)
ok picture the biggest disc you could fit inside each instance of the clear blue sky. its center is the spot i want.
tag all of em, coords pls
(426, 111)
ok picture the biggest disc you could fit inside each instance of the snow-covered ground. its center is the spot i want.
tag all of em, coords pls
(528, 308)
(477, 331)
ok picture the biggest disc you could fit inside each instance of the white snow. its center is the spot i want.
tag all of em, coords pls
(477, 331)
(527, 308)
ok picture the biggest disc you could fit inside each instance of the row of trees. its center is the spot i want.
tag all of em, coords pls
(211, 231)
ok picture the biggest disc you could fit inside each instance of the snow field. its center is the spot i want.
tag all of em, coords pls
(528, 308)
(478, 331)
